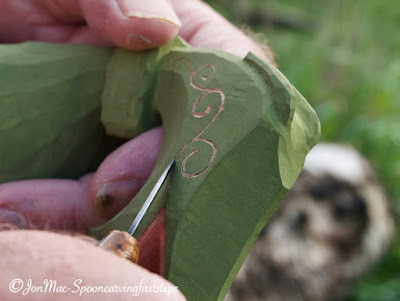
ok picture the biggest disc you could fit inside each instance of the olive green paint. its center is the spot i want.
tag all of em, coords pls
(49, 109)
(248, 135)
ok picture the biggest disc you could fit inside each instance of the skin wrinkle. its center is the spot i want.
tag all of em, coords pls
(55, 33)
(102, 26)
(80, 214)
(110, 15)
(77, 223)
(67, 14)
(195, 30)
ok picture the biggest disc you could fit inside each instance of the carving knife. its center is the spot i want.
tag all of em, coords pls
(123, 243)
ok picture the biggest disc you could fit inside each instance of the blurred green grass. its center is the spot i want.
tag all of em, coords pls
(343, 56)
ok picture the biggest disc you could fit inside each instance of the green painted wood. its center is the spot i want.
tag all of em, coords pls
(240, 133)
(237, 128)
(50, 109)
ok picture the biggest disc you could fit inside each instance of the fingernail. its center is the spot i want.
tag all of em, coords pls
(113, 196)
(149, 9)
(11, 220)
(143, 15)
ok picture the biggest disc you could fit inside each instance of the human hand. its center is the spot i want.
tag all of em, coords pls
(131, 24)
(67, 204)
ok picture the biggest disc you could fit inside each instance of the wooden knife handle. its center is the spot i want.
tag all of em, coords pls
(122, 244)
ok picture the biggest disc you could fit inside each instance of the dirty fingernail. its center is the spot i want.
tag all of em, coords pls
(149, 9)
(11, 220)
(113, 196)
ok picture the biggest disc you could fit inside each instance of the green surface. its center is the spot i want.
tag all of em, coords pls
(346, 63)
(238, 130)
(48, 94)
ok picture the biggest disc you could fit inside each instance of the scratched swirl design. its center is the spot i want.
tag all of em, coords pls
(211, 70)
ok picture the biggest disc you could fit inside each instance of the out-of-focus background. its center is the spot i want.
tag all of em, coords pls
(344, 57)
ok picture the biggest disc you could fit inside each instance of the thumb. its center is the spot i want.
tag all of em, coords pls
(204, 27)
(79, 265)
(132, 24)
(67, 204)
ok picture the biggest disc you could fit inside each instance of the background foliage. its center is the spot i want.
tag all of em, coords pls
(343, 56)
